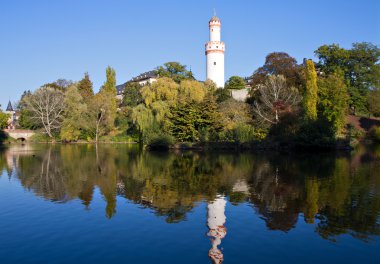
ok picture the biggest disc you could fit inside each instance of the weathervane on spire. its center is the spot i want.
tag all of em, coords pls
(214, 12)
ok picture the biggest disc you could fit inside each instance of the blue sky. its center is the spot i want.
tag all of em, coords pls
(43, 40)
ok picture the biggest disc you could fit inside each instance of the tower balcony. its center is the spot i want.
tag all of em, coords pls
(214, 46)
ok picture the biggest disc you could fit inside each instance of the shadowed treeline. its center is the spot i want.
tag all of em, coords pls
(337, 193)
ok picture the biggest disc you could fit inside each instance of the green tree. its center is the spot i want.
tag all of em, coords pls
(360, 66)
(222, 95)
(25, 119)
(235, 82)
(132, 94)
(108, 94)
(75, 114)
(175, 71)
(373, 100)
(161, 113)
(143, 118)
(3, 119)
(110, 83)
(333, 98)
(186, 119)
(191, 91)
(85, 88)
(193, 120)
(311, 92)
(164, 89)
(98, 110)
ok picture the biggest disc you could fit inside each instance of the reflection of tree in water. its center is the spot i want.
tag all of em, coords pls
(350, 201)
(275, 197)
(341, 192)
(43, 175)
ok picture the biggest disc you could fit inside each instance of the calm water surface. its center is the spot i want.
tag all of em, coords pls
(116, 203)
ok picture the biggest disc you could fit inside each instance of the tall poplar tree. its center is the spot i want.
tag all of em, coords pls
(110, 83)
(108, 92)
(311, 92)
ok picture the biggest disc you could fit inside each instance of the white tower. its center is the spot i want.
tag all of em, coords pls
(215, 54)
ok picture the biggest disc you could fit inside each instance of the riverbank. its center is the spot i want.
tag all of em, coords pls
(264, 145)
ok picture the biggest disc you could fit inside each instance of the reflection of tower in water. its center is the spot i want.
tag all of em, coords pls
(216, 219)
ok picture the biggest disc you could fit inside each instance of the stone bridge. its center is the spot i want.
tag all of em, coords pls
(19, 134)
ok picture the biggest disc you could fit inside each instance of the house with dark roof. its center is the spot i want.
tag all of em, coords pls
(142, 79)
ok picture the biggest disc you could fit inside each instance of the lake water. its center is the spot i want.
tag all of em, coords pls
(118, 204)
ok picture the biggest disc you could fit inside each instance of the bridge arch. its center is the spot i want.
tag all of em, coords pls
(19, 135)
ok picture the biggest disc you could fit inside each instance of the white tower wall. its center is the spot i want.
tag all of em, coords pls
(214, 33)
(215, 68)
(215, 54)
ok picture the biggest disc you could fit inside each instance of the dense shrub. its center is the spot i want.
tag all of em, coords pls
(244, 133)
(318, 134)
(161, 142)
(375, 134)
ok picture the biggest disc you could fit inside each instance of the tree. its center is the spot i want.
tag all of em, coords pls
(235, 82)
(373, 100)
(210, 85)
(274, 98)
(187, 121)
(142, 117)
(3, 119)
(108, 94)
(175, 71)
(194, 119)
(110, 83)
(191, 91)
(311, 92)
(222, 95)
(164, 89)
(46, 106)
(360, 66)
(75, 115)
(279, 63)
(210, 114)
(333, 98)
(85, 88)
(60, 84)
(132, 94)
(25, 120)
(98, 109)
(233, 112)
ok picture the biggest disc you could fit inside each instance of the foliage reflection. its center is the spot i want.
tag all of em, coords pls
(339, 194)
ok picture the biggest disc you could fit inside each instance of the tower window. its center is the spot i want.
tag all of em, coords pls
(217, 46)
(214, 62)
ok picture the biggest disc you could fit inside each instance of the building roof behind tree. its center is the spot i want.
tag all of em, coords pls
(140, 78)
(9, 107)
